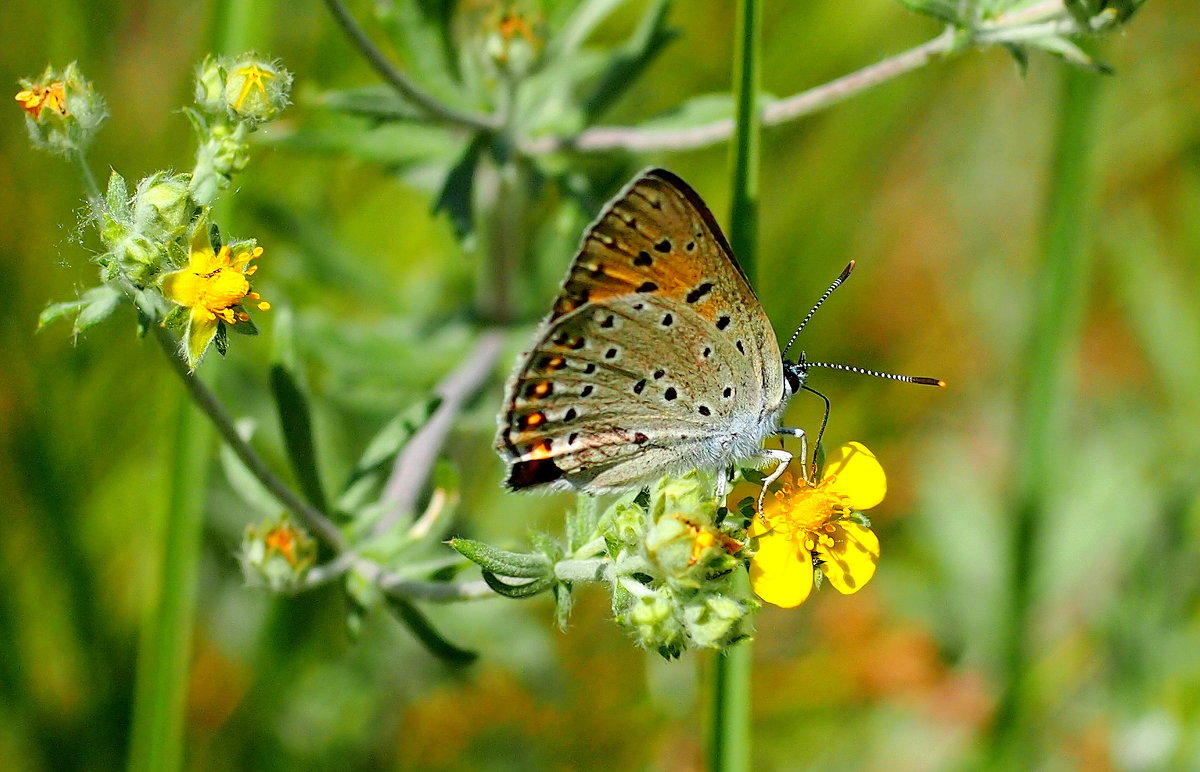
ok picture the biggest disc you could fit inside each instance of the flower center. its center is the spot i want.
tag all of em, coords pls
(807, 509)
(222, 289)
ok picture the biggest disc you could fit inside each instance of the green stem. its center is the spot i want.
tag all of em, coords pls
(164, 650)
(311, 517)
(730, 738)
(89, 179)
(1059, 306)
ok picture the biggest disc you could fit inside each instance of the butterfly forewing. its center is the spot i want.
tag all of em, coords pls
(656, 357)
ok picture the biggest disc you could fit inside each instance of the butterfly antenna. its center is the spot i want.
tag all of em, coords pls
(876, 373)
(845, 274)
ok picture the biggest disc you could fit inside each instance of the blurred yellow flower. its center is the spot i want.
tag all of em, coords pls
(34, 99)
(806, 526)
(214, 287)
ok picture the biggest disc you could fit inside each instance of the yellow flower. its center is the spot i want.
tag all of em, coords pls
(35, 98)
(214, 287)
(806, 526)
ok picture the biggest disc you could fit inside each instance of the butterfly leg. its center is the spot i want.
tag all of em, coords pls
(785, 431)
(784, 458)
(722, 486)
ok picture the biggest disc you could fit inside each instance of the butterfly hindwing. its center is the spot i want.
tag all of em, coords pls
(656, 357)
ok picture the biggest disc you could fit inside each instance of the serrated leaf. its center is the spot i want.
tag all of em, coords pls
(423, 630)
(520, 565)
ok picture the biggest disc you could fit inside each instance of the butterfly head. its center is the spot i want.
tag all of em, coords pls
(794, 375)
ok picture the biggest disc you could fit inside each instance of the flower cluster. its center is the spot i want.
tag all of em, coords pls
(158, 247)
(674, 581)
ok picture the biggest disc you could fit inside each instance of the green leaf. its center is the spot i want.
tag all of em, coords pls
(1071, 53)
(455, 198)
(221, 339)
(942, 10)
(628, 62)
(295, 421)
(695, 111)
(247, 327)
(423, 29)
(525, 590)
(423, 630)
(520, 565)
(1020, 55)
(55, 311)
(579, 26)
(117, 197)
(99, 304)
(375, 464)
(376, 101)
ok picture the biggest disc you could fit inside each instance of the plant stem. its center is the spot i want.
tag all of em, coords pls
(416, 460)
(400, 82)
(1034, 21)
(164, 650)
(312, 518)
(1060, 302)
(730, 735)
(91, 186)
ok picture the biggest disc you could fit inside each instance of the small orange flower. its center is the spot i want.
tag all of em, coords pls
(34, 99)
(214, 286)
(806, 526)
(703, 538)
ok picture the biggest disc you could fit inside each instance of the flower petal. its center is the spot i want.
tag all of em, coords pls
(859, 475)
(200, 332)
(850, 563)
(182, 287)
(779, 572)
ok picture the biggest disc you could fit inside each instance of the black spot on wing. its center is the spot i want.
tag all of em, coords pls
(538, 471)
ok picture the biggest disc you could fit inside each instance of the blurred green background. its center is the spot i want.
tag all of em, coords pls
(936, 183)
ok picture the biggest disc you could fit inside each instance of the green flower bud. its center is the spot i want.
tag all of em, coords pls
(162, 206)
(277, 554)
(256, 89)
(223, 152)
(650, 617)
(62, 110)
(210, 86)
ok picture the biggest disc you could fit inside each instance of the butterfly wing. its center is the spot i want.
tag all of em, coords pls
(656, 357)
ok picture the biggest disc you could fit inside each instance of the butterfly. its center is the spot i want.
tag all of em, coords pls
(656, 358)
